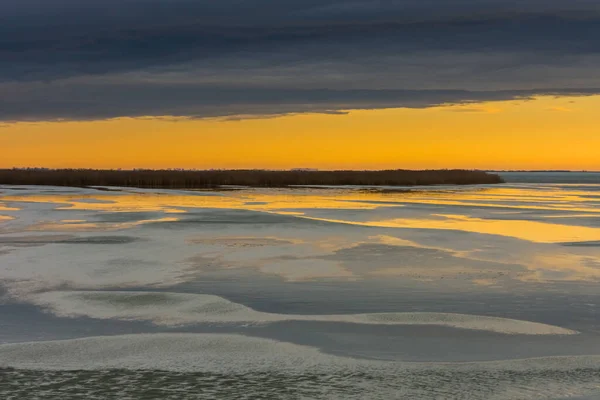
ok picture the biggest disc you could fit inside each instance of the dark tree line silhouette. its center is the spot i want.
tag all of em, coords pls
(187, 179)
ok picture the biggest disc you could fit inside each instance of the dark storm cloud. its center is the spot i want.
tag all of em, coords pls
(67, 59)
(102, 101)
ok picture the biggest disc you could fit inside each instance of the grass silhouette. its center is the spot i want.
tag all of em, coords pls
(192, 179)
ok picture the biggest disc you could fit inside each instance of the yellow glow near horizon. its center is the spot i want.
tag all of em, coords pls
(545, 133)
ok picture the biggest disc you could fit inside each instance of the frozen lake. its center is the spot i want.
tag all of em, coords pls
(473, 292)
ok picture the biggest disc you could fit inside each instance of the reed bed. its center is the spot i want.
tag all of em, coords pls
(194, 179)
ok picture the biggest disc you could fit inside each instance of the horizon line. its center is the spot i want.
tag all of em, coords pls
(298, 169)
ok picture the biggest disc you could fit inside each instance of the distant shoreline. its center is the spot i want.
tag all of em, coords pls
(196, 179)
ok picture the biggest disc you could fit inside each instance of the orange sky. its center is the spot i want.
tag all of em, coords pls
(546, 133)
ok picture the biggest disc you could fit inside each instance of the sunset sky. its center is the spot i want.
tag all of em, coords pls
(365, 84)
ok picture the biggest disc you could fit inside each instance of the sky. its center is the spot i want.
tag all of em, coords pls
(361, 84)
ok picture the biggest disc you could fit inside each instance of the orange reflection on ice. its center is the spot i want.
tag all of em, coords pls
(4, 207)
(532, 231)
(498, 197)
(297, 202)
(257, 200)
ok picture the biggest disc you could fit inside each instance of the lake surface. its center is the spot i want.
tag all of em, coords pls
(471, 292)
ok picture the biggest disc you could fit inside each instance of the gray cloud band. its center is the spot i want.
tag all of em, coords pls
(198, 59)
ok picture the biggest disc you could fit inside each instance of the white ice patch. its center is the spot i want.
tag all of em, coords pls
(235, 366)
(183, 309)
(173, 352)
(228, 353)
